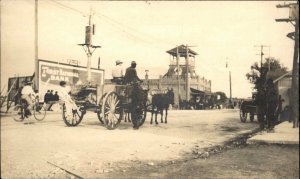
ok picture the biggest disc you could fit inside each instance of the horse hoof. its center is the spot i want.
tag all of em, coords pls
(156, 123)
(161, 121)
(150, 122)
(166, 122)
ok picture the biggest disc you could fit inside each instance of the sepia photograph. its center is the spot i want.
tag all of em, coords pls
(113, 89)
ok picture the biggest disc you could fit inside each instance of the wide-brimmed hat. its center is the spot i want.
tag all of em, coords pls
(118, 62)
(133, 63)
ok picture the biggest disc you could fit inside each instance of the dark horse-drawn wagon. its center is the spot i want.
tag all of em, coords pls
(248, 107)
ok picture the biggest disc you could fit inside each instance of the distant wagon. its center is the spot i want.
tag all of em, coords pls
(248, 107)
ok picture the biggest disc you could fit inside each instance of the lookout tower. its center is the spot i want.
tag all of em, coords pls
(182, 61)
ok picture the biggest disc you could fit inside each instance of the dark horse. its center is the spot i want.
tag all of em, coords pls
(161, 102)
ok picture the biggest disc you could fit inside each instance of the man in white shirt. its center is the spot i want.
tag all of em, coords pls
(64, 96)
(28, 95)
(117, 73)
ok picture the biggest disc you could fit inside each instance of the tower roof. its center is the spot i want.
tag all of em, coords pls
(182, 51)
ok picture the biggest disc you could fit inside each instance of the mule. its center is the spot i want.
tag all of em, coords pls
(161, 102)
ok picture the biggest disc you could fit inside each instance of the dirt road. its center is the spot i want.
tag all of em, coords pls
(43, 149)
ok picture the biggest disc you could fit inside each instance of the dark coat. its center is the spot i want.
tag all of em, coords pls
(130, 75)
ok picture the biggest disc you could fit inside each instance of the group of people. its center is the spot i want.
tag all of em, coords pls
(49, 98)
(130, 73)
(63, 94)
(266, 101)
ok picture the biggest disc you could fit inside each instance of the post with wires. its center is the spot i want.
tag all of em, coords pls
(293, 19)
(87, 46)
(230, 91)
(178, 77)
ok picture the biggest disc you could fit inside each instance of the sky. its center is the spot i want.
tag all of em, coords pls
(219, 31)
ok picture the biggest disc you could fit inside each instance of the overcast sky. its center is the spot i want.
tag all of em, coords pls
(144, 31)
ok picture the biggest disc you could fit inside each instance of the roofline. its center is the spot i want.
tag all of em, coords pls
(279, 78)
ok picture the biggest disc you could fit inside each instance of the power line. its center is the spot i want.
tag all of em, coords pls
(70, 8)
(115, 23)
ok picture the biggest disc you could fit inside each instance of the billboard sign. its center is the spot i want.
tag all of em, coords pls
(51, 73)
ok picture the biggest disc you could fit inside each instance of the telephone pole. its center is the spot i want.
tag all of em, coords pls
(187, 74)
(178, 78)
(261, 53)
(293, 19)
(88, 47)
(230, 90)
(36, 73)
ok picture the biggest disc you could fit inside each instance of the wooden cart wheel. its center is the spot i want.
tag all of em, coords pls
(243, 115)
(99, 111)
(111, 110)
(142, 113)
(75, 117)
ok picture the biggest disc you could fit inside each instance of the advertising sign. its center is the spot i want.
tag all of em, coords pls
(51, 73)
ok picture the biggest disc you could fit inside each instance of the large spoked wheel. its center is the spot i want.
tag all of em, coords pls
(140, 114)
(18, 113)
(99, 114)
(39, 112)
(75, 118)
(111, 110)
(243, 115)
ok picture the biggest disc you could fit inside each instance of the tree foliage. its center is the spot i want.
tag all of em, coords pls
(276, 70)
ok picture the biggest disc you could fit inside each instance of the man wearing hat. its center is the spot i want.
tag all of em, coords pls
(131, 75)
(136, 93)
(28, 95)
(117, 73)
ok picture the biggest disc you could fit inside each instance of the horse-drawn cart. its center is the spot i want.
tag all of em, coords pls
(247, 107)
(111, 102)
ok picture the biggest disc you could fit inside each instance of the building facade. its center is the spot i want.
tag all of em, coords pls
(181, 75)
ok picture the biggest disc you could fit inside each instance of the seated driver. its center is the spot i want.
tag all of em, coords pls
(28, 95)
(117, 73)
(131, 75)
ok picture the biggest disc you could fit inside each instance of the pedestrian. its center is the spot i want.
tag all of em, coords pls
(272, 102)
(51, 95)
(46, 97)
(279, 109)
(117, 73)
(56, 97)
(47, 100)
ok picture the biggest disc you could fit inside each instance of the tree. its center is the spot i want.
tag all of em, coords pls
(276, 70)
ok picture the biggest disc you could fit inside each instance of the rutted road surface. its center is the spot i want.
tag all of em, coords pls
(90, 150)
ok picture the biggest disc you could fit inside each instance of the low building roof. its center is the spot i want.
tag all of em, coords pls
(281, 77)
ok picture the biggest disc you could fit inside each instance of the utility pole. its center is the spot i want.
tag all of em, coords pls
(293, 19)
(230, 90)
(178, 79)
(88, 47)
(261, 53)
(36, 73)
(187, 73)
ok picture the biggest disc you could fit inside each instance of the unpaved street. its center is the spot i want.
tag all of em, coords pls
(91, 151)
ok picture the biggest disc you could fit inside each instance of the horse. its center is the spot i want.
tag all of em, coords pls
(161, 102)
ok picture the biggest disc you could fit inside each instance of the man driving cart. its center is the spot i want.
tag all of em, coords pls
(132, 79)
